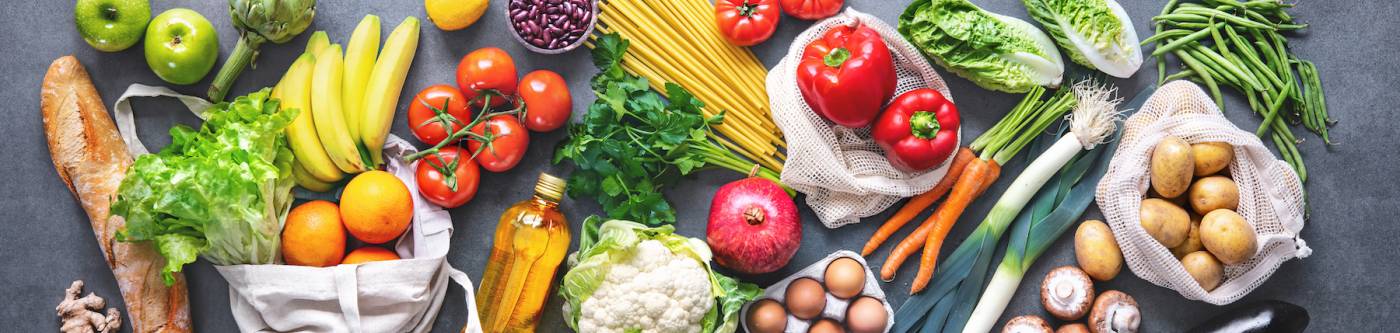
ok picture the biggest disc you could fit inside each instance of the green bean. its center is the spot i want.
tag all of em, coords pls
(1183, 41)
(1229, 66)
(1177, 17)
(1182, 74)
(1162, 58)
(1166, 35)
(1219, 41)
(1291, 27)
(1274, 106)
(1251, 57)
(1216, 71)
(1243, 22)
(1200, 68)
(1267, 5)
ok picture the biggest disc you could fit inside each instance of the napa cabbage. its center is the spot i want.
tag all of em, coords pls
(1095, 33)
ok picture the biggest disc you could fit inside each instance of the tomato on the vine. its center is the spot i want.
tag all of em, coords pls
(437, 112)
(508, 142)
(448, 178)
(487, 69)
(747, 22)
(547, 101)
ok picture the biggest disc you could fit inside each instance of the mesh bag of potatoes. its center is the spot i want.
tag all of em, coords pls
(1196, 204)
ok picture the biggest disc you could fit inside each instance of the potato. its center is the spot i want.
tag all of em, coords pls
(1097, 251)
(1193, 239)
(1211, 157)
(1214, 192)
(1204, 268)
(1167, 223)
(1172, 167)
(1226, 235)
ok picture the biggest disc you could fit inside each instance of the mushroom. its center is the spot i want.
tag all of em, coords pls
(1026, 324)
(1073, 328)
(1067, 293)
(1114, 312)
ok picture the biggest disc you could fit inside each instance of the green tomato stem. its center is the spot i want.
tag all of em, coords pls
(242, 56)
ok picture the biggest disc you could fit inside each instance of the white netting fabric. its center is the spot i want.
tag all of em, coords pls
(1271, 196)
(842, 171)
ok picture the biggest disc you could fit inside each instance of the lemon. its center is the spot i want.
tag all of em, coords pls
(451, 15)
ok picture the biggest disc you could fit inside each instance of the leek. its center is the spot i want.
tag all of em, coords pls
(955, 289)
(1055, 209)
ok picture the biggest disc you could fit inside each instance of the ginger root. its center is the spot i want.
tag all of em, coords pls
(83, 314)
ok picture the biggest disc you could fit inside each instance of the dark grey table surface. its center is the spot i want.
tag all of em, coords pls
(1349, 284)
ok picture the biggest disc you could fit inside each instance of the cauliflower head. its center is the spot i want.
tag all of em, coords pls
(653, 290)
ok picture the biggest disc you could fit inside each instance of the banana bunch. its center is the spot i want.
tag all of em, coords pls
(347, 101)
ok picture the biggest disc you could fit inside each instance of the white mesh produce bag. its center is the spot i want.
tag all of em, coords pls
(842, 171)
(1271, 196)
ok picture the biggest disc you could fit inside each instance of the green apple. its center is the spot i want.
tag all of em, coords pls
(181, 46)
(112, 25)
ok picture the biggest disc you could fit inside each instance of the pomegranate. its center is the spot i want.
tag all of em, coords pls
(754, 227)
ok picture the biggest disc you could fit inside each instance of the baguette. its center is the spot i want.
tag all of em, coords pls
(92, 160)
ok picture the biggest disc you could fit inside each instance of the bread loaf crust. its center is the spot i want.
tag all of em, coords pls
(92, 159)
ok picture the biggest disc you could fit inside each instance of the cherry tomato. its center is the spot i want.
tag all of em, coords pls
(547, 101)
(747, 22)
(437, 112)
(487, 69)
(811, 9)
(449, 178)
(508, 144)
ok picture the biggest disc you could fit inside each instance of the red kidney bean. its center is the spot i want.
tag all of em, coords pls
(550, 24)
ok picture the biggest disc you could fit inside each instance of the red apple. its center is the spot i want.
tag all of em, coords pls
(754, 227)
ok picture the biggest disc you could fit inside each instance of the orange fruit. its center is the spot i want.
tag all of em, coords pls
(369, 254)
(313, 235)
(376, 207)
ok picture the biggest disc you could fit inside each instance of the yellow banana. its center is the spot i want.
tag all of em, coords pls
(295, 93)
(326, 111)
(360, 53)
(385, 84)
(307, 181)
(317, 42)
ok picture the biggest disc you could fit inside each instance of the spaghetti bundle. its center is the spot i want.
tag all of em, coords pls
(671, 44)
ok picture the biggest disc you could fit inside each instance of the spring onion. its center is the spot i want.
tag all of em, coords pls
(948, 304)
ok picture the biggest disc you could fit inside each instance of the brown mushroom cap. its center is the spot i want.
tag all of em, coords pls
(1114, 312)
(1027, 324)
(1067, 293)
(1073, 328)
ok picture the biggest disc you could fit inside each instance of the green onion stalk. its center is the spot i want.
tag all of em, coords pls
(947, 306)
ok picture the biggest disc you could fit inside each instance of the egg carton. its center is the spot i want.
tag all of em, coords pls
(835, 307)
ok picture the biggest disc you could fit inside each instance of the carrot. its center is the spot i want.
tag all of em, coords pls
(966, 182)
(920, 202)
(981, 177)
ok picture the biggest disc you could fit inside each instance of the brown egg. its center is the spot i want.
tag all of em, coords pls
(845, 278)
(805, 298)
(767, 316)
(867, 315)
(826, 325)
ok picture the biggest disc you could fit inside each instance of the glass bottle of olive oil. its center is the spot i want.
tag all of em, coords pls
(531, 240)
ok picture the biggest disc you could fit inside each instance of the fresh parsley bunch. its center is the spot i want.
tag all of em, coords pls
(633, 141)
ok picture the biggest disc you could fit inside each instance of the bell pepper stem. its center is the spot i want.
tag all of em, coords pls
(924, 125)
(836, 57)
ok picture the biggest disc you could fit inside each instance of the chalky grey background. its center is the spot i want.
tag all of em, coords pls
(1350, 283)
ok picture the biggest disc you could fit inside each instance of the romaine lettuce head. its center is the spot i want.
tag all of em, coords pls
(1095, 33)
(222, 191)
(603, 245)
(997, 52)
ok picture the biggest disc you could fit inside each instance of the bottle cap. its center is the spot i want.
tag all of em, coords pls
(550, 187)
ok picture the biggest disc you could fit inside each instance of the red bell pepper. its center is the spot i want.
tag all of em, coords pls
(847, 75)
(919, 130)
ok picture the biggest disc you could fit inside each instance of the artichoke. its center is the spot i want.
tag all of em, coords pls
(259, 21)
